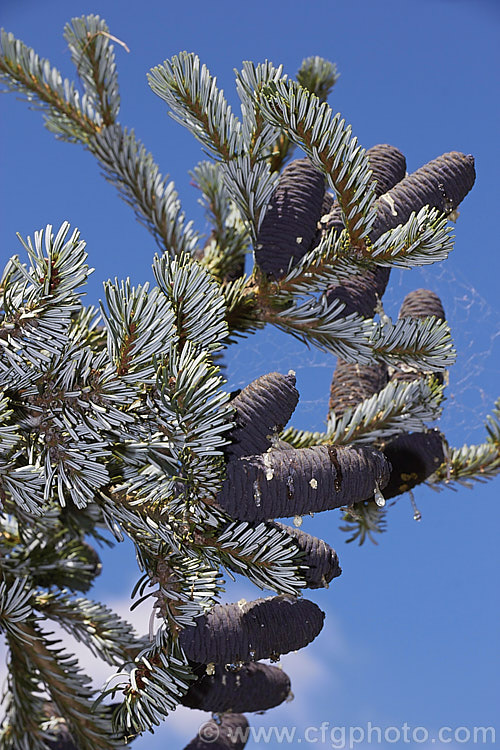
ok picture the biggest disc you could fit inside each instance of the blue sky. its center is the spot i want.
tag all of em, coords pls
(411, 632)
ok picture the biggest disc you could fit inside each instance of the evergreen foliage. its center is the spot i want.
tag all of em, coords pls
(118, 420)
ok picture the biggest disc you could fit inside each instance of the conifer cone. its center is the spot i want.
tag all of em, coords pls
(253, 687)
(388, 165)
(361, 292)
(442, 183)
(353, 383)
(320, 560)
(251, 631)
(261, 409)
(421, 303)
(414, 457)
(285, 483)
(289, 225)
(63, 741)
(230, 733)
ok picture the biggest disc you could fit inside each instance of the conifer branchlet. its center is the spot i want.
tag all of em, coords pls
(119, 423)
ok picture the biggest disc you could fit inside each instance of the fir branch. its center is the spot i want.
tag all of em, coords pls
(67, 686)
(191, 400)
(15, 606)
(67, 114)
(302, 438)
(247, 173)
(47, 555)
(329, 262)
(131, 168)
(424, 239)
(363, 520)
(184, 419)
(133, 433)
(399, 407)
(314, 321)
(37, 302)
(388, 167)
(250, 186)
(264, 554)
(493, 425)
(89, 42)
(318, 75)
(466, 465)
(196, 301)
(258, 135)
(125, 160)
(224, 252)
(140, 326)
(121, 515)
(57, 265)
(21, 728)
(153, 687)
(196, 102)
(424, 344)
(104, 633)
(242, 308)
(329, 145)
(63, 421)
(22, 487)
(188, 585)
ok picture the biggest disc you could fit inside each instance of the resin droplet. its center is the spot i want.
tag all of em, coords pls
(297, 521)
(314, 483)
(257, 495)
(234, 667)
(378, 497)
(269, 469)
(417, 516)
(210, 669)
(289, 698)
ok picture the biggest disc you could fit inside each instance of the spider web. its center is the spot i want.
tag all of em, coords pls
(473, 380)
